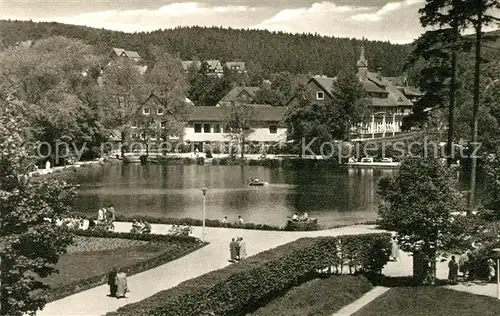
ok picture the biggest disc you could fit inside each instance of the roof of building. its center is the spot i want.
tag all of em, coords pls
(263, 113)
(127, 53)
(188, 63)
(213, 63)
(132, 54)
(239, 64)
(324, 82)
(236, 91)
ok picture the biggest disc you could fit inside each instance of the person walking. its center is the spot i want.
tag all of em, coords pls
(452, 271)
(462, 264)
(112, 282)
(121, 284)
(233, 250)
(394, 249)
(243, 248)
(240, 220)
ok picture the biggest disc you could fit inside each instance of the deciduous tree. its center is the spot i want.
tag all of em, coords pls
(239, 120)
(420, 203)
(30, 240)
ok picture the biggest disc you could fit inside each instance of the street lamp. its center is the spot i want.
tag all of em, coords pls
(497, 251)
(204, 190)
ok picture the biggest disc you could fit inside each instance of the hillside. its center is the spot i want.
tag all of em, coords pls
(263, 51)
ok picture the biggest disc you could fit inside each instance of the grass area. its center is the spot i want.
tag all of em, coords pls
(430, 301)
(89, 260)
(81, 265)
(319, 297)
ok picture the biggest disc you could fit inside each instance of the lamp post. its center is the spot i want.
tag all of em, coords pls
(204, 190)
(394, 124)
(497, 251)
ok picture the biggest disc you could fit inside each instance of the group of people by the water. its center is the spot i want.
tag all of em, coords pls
(303, 218)
(239, 221)
(117, 281)
(105, 218)
(140, 227)
(72, 222)
(237, 249)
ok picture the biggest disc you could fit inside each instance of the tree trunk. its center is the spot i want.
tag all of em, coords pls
(242, 147)
(123, 135)
(475, 108)
(451, 105)
(424, 267)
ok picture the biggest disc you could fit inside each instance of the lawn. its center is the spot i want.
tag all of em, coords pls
(319, 297)
(429, 301)
(89, 259)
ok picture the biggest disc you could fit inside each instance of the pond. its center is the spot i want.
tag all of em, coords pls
(333, 195)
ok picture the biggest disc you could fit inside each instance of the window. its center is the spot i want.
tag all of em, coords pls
(320, 95)
(197, 128)
(133, 135)
(217, 128)
(134, 124)
(273, 129)
(143, 136)
(145, 111)
(163, 124)
(159, 111)
(206, 128)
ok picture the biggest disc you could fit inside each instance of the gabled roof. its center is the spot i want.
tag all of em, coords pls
(236, 91)
(126, 53)
(213, 63)
(263, 113)
(324, 83)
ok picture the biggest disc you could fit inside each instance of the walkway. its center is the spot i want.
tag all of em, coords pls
(215, 256)
(362, 301)
(212, 257)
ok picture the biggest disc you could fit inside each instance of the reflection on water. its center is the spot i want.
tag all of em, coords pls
(334, 196)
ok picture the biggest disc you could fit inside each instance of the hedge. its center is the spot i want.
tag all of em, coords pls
(217, 223)
(240, 288)
(84, 284)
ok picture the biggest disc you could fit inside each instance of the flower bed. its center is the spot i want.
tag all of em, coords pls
(84, 270)
(239, 288)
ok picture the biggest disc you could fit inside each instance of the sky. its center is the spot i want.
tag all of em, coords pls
(396, 21)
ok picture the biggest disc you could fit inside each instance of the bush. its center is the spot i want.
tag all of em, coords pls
(240, 288)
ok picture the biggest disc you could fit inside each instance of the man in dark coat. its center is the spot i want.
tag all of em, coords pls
(233, 250)
(112, 282)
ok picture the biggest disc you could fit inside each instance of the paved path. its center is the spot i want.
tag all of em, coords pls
(355, 306)
(212, 257)
(215, 256)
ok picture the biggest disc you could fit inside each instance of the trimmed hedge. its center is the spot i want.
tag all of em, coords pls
(217, 223)
(240, 288)
(192, 244)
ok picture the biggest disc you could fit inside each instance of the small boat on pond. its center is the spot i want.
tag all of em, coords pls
(258, 183)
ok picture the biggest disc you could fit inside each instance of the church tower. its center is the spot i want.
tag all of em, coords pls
(362, 65)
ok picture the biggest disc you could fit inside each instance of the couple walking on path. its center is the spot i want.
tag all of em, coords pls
(237, 249)
(117, 281)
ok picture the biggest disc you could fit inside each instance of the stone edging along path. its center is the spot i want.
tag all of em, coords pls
(211, 257)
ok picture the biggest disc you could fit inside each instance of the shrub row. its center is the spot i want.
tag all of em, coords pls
(189, 244)
(241, 287)
(218, 223)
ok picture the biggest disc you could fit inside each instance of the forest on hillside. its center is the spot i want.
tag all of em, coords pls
(263, 51)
